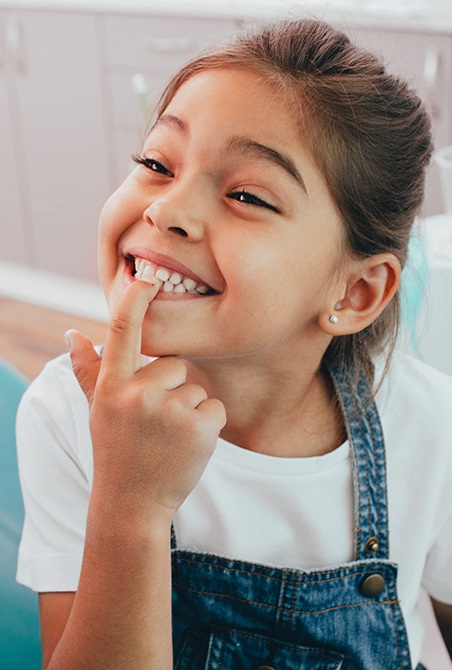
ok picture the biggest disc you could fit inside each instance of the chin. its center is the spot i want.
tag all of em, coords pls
(155, 348)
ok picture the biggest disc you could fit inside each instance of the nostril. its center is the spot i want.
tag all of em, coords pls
(179, 231)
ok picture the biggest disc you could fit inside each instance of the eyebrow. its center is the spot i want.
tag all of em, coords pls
(244, 146)
(171, 120)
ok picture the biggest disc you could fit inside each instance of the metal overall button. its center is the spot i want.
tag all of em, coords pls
(371, 545)
(372, 585)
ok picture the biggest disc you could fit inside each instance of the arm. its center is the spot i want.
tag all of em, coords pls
(152, 436)
(54, 611)
(443, 614)
(121, 614)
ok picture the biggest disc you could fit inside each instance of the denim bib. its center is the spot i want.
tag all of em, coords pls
(236, 615)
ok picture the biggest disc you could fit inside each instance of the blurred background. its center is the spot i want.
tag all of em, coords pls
(78, 80)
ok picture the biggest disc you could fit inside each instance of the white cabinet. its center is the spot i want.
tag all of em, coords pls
(52, 90)
(70, 116)
(150, 48)
(425, 60)
(70, 120)
(15, 240)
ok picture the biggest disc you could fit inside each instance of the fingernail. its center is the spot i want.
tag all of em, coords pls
(68, 339)
(146, 274)
(154, 286)
(149, 279)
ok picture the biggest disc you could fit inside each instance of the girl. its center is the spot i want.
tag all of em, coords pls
(259, 463)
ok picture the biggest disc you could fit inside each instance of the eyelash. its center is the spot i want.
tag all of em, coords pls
(151, 164)
(240, 196)
(252, 200)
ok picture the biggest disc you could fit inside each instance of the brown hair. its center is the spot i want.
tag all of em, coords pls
(367, 131)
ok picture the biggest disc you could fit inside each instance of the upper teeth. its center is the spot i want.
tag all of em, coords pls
(173, 282)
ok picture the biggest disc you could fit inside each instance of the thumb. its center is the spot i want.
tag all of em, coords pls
(85, 362)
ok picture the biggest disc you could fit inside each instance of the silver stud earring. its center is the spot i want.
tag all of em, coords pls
(334, 319)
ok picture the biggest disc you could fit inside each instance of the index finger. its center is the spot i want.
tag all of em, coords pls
(123, 342)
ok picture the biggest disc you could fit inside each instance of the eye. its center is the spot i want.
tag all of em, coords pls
(251, 199)
(151, 164)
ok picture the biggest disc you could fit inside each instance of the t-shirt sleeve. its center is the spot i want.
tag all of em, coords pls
(55, 466)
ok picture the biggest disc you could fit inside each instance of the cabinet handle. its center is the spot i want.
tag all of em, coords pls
(15, 45)
(432, 64)
(167, 44)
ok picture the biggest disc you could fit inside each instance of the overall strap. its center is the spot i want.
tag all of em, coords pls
(367, 448)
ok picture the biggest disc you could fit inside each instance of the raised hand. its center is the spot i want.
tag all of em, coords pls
(153, 433)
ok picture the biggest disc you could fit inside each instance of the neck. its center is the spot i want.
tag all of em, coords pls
(280, 410)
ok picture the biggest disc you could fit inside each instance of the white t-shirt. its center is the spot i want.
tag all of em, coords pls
(293, 512)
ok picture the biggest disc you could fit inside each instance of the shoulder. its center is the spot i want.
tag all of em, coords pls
(414, 404)
(56, 383)
(53, 404)
(414, 388)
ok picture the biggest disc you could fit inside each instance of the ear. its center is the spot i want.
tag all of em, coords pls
(370, 286)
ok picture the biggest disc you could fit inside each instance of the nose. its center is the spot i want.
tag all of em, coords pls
(180, 211)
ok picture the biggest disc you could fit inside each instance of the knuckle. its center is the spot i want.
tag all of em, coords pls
(173, 368)
(194, 430)
(176, 407)
(129, 405)
(81, 374)
(176, 365)
(120, 323)
(216, 412)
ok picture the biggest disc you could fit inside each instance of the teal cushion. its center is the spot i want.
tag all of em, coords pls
(20, 646)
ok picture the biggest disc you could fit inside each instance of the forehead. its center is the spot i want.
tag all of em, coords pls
(236, 102)
(227, 113)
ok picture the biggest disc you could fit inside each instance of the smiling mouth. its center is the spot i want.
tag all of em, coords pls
(172, 281)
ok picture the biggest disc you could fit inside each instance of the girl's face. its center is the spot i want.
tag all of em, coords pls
(226, 196)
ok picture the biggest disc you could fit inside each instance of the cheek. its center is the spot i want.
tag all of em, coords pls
(123, 206)
(116, 217)
(106, 256)
(112, 217)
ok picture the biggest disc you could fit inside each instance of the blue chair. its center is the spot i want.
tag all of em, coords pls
(20, 647)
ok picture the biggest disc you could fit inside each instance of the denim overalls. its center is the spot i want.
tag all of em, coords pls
(235, 615)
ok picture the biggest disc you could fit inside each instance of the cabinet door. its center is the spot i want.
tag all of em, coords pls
(424, 60)
(16, 244)
(57, 85)
(152, 48)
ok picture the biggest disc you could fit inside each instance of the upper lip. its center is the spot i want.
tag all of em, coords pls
(164, 261)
